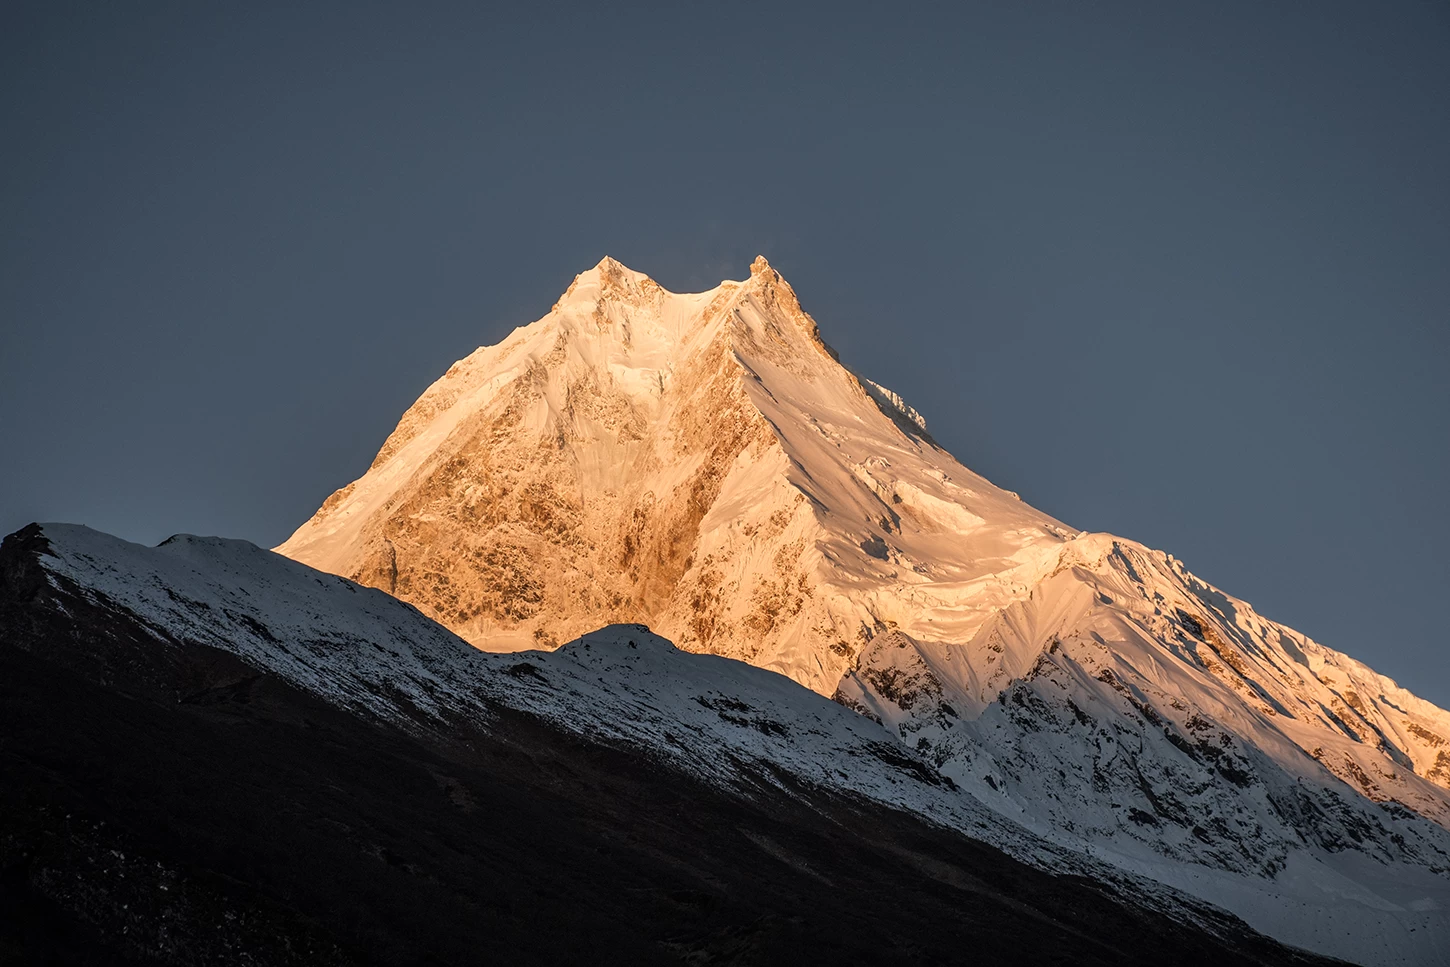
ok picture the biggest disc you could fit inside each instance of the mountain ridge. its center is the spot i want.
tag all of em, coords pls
(704, 463)
(228, 757)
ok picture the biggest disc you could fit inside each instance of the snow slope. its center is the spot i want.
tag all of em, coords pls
(703, 463)
(365, 651)
(724, 721)
(1126, 705)
(720, 719)
(360, 649)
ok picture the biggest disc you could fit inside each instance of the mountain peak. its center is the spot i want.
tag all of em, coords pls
(610, 269)
(608, 276)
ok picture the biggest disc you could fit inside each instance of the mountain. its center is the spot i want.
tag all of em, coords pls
(704, 463)
(701, 463)
(213, 754)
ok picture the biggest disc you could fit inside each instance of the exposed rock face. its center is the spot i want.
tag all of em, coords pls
(704, 464)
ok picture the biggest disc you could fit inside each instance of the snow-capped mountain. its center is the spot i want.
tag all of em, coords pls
(704, 464)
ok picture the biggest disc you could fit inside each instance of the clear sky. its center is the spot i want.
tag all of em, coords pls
(1180, 274)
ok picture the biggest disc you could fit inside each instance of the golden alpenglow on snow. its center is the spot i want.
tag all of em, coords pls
(702, 463)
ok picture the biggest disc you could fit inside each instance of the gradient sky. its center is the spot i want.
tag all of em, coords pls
(1182, 275)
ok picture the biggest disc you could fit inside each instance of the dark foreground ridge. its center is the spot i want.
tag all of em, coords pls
(166, 803)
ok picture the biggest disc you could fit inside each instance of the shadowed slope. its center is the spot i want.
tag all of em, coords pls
(181, 802)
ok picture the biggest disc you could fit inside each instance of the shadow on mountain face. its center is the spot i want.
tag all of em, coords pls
(167, 803)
